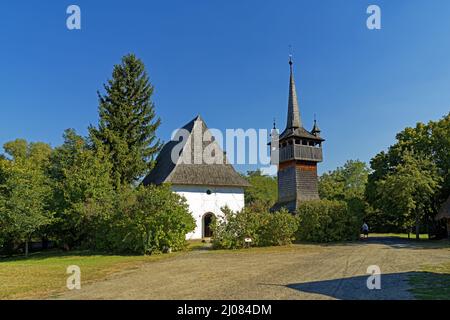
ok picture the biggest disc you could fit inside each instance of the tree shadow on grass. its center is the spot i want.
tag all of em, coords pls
(395, 286)
(56, 253)
(401, 243)
(395, 243)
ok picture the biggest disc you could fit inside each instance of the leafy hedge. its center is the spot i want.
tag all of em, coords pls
(147, 220)
(327, 221)
(264, 228)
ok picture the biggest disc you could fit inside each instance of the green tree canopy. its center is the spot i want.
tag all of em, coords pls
(428, 142)
(431, 140)
(83, 191)
(25, 189)
(345, 182)
(407, 193)
(263, 191)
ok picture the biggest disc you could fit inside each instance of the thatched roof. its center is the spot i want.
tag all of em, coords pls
(189, 166)
(445, 211)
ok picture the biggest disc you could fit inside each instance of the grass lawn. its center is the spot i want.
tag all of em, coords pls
(44, 274)
(433, 283)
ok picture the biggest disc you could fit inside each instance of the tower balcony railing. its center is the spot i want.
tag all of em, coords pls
(301, 152)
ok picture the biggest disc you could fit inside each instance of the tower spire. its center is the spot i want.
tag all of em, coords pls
(315, 130)
(293, 117)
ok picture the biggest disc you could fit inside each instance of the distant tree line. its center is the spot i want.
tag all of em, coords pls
(404, 187)
(410, 181)
(401, 191)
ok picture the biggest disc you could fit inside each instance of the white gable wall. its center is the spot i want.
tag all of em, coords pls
(201, 203)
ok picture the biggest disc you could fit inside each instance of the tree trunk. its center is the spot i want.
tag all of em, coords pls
(417, 227)
(44, 243)
(26, 248)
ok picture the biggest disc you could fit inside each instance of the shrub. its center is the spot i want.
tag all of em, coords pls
(327, 221)
(279, 229)
(149, 220)
(264, 228)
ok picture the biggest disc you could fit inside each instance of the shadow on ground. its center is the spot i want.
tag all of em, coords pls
(395, 286)
(398, 243)
(56, 253)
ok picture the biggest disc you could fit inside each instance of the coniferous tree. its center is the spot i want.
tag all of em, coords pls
(128, 121)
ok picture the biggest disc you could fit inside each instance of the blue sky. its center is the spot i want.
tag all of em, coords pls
(227, 60)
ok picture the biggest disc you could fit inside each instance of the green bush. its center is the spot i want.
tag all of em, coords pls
(148, 220)
(327, 221)
(264, 228)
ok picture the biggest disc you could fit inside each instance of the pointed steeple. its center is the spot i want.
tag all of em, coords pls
(315, 130)
(293, 117)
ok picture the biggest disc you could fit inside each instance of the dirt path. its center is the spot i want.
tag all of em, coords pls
(297, 272)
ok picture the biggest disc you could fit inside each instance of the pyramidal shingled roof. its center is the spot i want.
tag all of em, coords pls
(293, 118)
(181, 162)
(294, 127)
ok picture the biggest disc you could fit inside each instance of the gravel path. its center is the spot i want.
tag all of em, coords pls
(296, 272)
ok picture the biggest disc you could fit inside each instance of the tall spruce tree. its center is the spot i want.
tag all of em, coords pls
(128, 121)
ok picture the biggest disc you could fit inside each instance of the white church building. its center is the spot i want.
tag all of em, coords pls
(208, 183)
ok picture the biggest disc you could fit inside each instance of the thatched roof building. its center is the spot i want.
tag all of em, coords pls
(197, 169)
(190, 168)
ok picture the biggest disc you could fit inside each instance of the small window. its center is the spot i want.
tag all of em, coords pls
(208, 192)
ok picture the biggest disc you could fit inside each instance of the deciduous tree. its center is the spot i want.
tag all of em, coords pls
(25, 190)
(407, 194)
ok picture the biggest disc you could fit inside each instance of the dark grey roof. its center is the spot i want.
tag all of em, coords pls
(188, 167)
(445, 211)
(300, 133)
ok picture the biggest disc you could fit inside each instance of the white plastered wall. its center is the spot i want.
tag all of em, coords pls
(201, 203)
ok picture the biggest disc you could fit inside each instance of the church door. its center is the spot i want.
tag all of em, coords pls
(207, 219)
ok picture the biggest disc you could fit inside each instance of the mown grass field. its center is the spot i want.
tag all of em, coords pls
(44, 274)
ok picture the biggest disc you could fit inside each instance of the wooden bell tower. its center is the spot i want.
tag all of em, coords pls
(300, 151)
